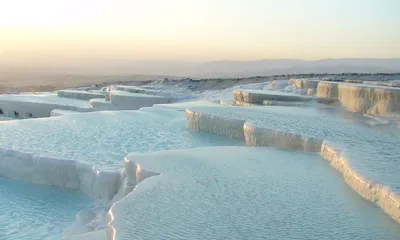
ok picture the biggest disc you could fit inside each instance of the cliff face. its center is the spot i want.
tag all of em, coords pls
(304, 83)
(258, 136)
(361, 98)
(371, 100)
(259, 96)
(327, 91)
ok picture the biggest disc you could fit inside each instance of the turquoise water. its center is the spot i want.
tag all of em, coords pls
(373, 151)
(45, 98)
(245, 193)
(105, 138)
(36, 212)
(207, 193)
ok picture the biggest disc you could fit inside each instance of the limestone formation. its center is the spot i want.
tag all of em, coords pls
(304, 83)
(378, 194)
(327, 92)
(258, 96)
(310, 92)
(360, 98)
(371, 100)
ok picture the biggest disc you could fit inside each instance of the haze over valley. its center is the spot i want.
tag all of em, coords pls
(21, 69)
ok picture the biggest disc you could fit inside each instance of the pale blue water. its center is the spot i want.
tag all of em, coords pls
(105, 138)
(231, 193)
(135, 89)
(373, 151)
(246, 193)
(276, 93)
(36, 212)
(45, 98)
(133, 94)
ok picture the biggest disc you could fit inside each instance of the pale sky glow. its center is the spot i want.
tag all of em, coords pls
(202, 29)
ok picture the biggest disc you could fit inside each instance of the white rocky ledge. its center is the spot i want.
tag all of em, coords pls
(35, 109)
(102, 104)
(80, 94)
(135, 89)
(361, 98)
(253, 135)
(258, 96)
(61, 112)
(58, 172)
(133, 101)
(304, 83)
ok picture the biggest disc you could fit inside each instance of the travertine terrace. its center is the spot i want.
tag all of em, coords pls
(220, 152)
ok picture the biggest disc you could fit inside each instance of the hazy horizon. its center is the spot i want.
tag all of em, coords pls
(198, 38)
(49, 73)
(202, 30)
(12, 64)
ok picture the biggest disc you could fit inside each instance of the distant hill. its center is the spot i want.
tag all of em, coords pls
(296, 66)
(12, 62)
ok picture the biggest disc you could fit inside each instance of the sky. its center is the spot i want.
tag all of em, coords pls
(201, 30)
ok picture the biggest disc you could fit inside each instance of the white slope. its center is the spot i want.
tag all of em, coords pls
(361, 153)
(242, 193)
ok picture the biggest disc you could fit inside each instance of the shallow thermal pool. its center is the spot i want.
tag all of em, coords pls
(105, 138)
(45, 98)
(37, 212)
(6, 119)
(245, 193)
(373, 151)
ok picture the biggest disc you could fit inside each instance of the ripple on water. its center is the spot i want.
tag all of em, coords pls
(245, 193)
(373, 151)
(105, 138)
(36, 212)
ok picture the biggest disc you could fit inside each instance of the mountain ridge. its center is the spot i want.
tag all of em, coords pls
(219, 68)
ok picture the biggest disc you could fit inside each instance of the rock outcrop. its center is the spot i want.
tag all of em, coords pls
(360, 98)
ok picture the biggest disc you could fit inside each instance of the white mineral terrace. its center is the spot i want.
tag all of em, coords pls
(36, 106)
(61, 112)
(78, 94)
(361, 98)
(305, 83)
(6, 118)
(41, 105)
(102, 104)
(165, 162)
(221, 187)
(258, 96)
(351, 148)
(134, 101)
(134, 89)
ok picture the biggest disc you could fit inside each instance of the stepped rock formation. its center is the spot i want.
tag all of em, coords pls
(371, 100)
(254, 135)
(133, 101)
(82, 95)
(259, 96)
(360, 98)
(327, 92)
(304, 83)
